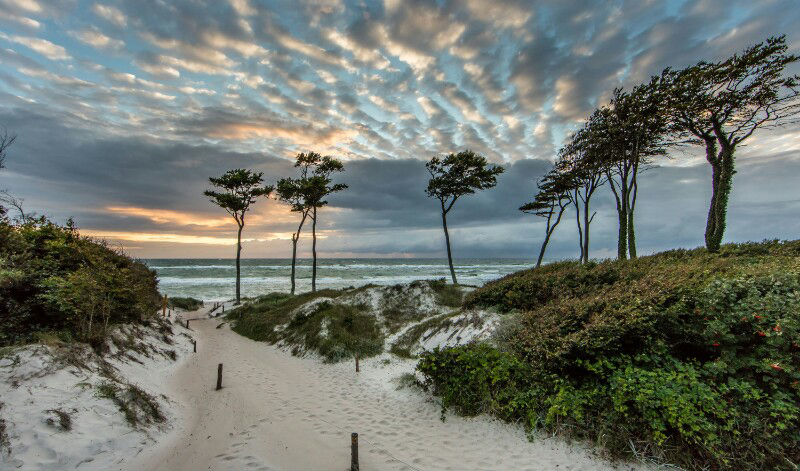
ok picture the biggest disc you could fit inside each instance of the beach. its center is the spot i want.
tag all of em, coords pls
(280, 412)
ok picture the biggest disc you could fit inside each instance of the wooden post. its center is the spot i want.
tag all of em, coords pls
(354, 452)
(223, 309)
(194, 344)
(357, 368)
(164, 307)
(219, 377)
(187, 323)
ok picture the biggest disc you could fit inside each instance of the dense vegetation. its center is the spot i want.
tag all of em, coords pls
(52, 279)
(684, 357)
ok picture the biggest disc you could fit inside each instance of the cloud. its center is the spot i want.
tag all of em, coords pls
(97, 39)
(42, 46)
(173, 92)
(110, 13)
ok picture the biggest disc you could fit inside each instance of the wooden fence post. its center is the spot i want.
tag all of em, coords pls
(187, 323)
(354, 452)
(164, 307)
(357, 367)
(194, 344)
(219, 377)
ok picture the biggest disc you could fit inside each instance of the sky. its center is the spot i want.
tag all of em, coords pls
(124, 108)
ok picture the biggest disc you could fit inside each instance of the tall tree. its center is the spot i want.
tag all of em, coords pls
(319, 186)
(295, 192)
(241, 189)
(720, 105)
(631, 131)
(454, 176)
(551, 201)
(583, 171)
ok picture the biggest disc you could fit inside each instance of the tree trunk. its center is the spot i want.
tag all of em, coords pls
(295, 238)
(712, 158)
(238, 265)
(621, 199)
(631, 205)
(721, 188)
(586, 223)
(447, 242)
(631, 236)
(314, 251)
(580, 230)
(548, 233)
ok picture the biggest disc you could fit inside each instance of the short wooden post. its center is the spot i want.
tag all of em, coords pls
(164, 307)
(354, 452)
(223, 309)
(194, 344)
(187, 323)
(219, 377)
(357, 367)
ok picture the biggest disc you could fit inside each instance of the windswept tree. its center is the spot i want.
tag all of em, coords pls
(454, 176)
(582, 171)
(550, 202)
(241, 188)
(316, 189)
(720, 105)
(294, 192)
(630, 133)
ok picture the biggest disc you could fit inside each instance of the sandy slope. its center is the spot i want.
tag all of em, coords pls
(278, 412)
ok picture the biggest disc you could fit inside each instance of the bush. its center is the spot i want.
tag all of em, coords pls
(335, 331)
(188, 304)
(54, 279)
(682, 357)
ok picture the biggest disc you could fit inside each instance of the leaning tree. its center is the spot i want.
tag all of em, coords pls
(582, 170)
(317, 188)
(631, 131)
(241, 188)
(719, 105)
(454, 176)
(550, 202)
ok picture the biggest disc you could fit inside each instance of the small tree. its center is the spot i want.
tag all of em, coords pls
(454, 176)
(720, 105)
(5, 198)
(318, 187)
(551, 201)
(5, 143)
(241, 189)
(294, 192)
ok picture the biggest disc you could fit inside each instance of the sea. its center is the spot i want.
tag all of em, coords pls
(215, 279)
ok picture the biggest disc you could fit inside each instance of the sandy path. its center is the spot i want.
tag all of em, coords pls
(250, 425)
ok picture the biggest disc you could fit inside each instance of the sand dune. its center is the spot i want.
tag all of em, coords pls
(278, 412)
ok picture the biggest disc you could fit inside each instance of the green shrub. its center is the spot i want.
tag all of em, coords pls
(446, 294)
(188, 304)
(682, 357)
(334, 331)
(54, 279)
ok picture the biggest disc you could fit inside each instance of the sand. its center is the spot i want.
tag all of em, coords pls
(279, 412)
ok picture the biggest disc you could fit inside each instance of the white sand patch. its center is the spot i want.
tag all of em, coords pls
(35, 381)
(279, 412)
